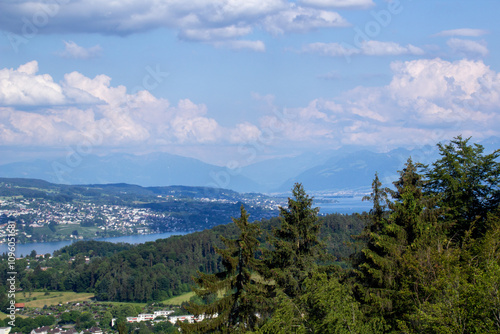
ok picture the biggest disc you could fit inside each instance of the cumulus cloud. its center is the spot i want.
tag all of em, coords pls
(23, 86)
(427, 100)
(244, 133)
(73, 50)
(80, 109)
(466, 32)
(468, 47)
(369, 48)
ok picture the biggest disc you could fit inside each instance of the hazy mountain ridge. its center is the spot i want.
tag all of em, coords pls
(346, 169)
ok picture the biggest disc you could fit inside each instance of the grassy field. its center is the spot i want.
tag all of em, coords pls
(178, 300)
(126, 303)
(65, 231)
(4, 315)
(52, 298)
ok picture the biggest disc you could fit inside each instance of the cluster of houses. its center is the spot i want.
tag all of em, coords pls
(166, 315)
(156, 316)
(114, 217)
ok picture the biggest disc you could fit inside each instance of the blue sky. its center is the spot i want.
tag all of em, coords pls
(218, 79)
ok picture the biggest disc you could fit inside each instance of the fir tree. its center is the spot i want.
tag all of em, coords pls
(242, 294)
(296, 246)
(390, 235)
(375, 265)
(468, 184)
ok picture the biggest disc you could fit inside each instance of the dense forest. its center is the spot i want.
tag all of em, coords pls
(425, 259)
(429, 261)
(155, 270)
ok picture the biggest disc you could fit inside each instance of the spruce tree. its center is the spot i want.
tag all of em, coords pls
(242, 293)
(467, 182)
(411, 209)
(296, 246)
(374, 266)
(390, 235)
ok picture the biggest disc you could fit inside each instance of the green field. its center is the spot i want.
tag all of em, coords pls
(178, 300)
(52, 298)
(64, 231)
(142, 305)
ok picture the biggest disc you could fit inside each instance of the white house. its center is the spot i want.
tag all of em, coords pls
(148, 316)
(189, 318)
(5, 330)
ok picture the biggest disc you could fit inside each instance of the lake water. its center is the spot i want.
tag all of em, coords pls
(346, 205)
(50, 247)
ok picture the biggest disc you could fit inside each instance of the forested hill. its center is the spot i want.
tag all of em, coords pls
(158, 270)
(116, 193)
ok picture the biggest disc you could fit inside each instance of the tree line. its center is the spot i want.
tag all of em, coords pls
(153, 271)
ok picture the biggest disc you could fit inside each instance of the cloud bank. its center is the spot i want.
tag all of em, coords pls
(214, 21)
(427, 100)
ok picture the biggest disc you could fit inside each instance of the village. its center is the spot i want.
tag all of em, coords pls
(102, 322)
(51, 217)
(105, 220)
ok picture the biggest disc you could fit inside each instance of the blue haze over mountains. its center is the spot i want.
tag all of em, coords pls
(347, 169)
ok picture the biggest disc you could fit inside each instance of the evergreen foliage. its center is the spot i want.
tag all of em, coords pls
(296, 245)
(431, 263)
(426, 261)
(243, 294)
(467, 183)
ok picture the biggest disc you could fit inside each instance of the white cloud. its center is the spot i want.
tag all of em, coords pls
(369, 48)
(468, 47)
(300, 19)
(339, 3)
(73, 50)
(98, 87)
(466, 32)
(377, 48)
(244, 133)
(427, 100)
(80, 108)
(22, 86)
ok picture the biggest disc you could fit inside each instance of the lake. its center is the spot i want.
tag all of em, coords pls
(50, 247)
(345, 205)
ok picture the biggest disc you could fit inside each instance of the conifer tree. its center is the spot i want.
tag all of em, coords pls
(411, 209)
(296, 246)
(374, 265)
(468, 184)
(383, 265)
(242, 295)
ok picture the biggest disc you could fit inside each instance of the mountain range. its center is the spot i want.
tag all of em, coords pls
(347, 169)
